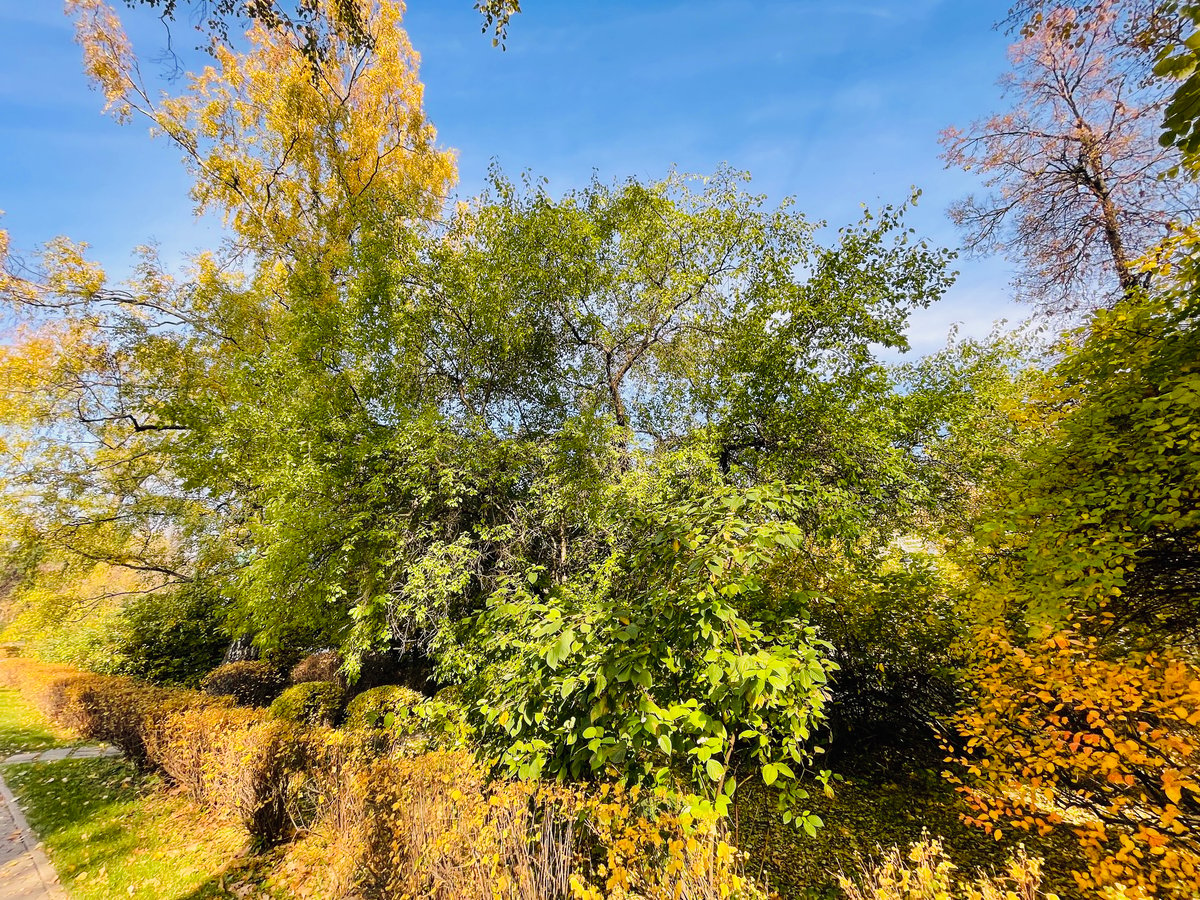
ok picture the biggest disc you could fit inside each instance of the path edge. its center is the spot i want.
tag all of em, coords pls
(45, 869)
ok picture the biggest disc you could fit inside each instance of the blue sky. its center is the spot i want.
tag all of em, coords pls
(836, 103)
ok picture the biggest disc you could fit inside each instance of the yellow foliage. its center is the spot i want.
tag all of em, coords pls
(926, 874)
(14, 287)
(295, 152)
(429, 825)
(1108, 747)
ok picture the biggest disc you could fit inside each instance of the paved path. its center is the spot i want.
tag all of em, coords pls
(25, 872)
(60, 753)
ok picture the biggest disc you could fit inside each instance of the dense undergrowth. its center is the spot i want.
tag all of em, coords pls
(430, 824)
(365, 813)
(627, 478)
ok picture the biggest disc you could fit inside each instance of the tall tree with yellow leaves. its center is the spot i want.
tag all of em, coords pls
(115, 397)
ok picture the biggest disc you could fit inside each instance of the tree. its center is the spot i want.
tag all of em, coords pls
(547, 355)
(382, 423)
(116, 396)
(1178, 60)
(1075, 166)
(1085, 680)
(1084, 706)
(306, 19)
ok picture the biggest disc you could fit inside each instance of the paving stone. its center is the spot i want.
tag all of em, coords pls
(22, 757)
(94, 752)
(54, 755)
(25, 873)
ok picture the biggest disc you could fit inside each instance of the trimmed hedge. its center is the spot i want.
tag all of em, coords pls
(236, 760)
(309, 703)
(251, 683)
(431, 825)
(324, 665)
(371, 708)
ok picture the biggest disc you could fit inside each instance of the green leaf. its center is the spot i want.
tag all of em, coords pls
(561, 648)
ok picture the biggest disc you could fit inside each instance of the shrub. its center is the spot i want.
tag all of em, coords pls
(252, 768)
(239, 761)
(434, 826)
(440, 723)
(926, 872)
(114, 709)
(248, 683)
(236, 760)
(310, 703)
(172, 637)
(427, 825)
(325, 665)
(370, 708)
(403, 719)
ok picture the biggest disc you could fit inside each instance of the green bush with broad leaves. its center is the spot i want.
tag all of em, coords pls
(685, 658)
(372, 708)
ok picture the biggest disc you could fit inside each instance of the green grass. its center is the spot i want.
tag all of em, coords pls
(112, 832)
(23, 728)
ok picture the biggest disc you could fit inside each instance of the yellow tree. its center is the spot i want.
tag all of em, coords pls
(1085, 677)
(114, 397)
(293, 152)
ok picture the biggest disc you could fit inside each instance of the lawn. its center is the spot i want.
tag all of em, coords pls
(113, 832)
(23, 728)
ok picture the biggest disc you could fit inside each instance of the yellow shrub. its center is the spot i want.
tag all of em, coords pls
(926, 874)
(379, 825)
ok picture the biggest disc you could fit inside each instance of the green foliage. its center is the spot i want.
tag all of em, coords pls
(686, 654)
(1177, 61)
(532, 405)
(310, 703)
(1102, 520)
(893, 625)
(371, 708)
(252, 683)
(172, 637)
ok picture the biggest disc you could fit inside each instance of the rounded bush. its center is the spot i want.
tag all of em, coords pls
(324, 665)
(248, 683)
(171, 637)
(370, 708)
(309, 703)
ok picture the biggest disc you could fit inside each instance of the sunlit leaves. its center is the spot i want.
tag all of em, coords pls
(687, 652)
(1087, 693)
(292, 152)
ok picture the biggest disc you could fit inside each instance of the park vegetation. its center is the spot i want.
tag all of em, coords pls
(537, 532)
